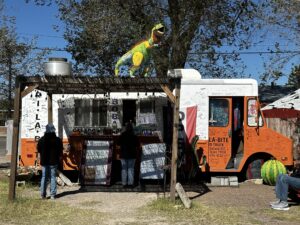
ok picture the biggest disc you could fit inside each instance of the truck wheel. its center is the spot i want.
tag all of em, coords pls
(253, 169)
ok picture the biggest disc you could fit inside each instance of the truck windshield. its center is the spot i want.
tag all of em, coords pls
(218, 112)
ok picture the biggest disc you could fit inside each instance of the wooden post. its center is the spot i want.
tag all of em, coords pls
(50, 115)
(175, 140)
(168, 93)
(15, 141)
(183, 196)
(64, 178)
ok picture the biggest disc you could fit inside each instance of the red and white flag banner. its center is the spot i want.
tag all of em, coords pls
(188, 117)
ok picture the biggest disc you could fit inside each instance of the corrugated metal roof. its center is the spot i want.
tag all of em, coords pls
(291, 101)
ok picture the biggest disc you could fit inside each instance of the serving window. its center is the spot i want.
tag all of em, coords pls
(90, 112)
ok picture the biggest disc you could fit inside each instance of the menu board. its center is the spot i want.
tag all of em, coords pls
(152, 161)
(146, 118)
(97, 165)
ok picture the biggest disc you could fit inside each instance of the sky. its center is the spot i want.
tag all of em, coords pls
(32, 20)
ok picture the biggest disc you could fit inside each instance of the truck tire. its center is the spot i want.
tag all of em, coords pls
(253, 169)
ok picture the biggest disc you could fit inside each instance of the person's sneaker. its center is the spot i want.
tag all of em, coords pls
(275, 202)
(281, 206)
(43, 197)
(52, 197)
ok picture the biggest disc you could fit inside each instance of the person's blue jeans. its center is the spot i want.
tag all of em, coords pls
(127, 171)
(48, 172)
(283, 183)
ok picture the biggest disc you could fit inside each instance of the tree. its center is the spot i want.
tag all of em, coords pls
(16, 58)
(281, 17)
(99, 32)
(294, 77)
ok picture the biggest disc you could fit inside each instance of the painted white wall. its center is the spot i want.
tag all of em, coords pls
(34, 117)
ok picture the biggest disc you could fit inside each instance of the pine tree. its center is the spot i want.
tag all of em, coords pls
(294, 77)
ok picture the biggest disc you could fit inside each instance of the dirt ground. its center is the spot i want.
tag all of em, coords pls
(123, 208)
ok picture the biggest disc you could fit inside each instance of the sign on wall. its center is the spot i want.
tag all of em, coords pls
(34, 114)
(152, 161)
(97, 165)
(114, 112)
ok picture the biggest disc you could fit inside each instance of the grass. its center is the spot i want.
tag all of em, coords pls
(32, 210)
(197, 214)
(202, 214)
(292, 215)
(91, 203)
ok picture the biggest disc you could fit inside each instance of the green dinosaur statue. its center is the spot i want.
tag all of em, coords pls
(138, 58)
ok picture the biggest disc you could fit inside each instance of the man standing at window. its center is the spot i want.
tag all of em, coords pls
(128, 142)
(50, 150)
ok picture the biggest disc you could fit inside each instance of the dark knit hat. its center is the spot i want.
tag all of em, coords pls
(50, 128)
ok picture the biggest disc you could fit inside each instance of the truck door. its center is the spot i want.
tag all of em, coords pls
(220, 133)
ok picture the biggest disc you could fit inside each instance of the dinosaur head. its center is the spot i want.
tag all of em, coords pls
(157, 33)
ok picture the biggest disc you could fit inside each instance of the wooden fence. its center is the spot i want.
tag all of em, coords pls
(290, 128)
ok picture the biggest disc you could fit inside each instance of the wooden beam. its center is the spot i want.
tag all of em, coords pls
(183, 196)
(168, 92)
(175, 140)
(28, 90)
(50, 113)
(15, 141)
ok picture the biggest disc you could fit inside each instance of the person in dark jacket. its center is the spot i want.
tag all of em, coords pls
(128, 142)
(50, 150)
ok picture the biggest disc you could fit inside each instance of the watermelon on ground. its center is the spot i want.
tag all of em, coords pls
(270, 171)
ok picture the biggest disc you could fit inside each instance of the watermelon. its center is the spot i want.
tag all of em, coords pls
(270, 171)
